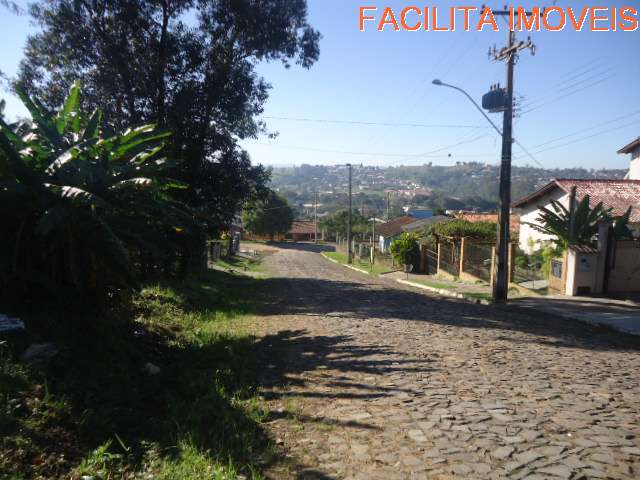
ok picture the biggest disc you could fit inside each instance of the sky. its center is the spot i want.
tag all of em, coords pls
(578, 97)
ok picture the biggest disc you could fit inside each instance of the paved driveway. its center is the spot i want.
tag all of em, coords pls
(368, 379)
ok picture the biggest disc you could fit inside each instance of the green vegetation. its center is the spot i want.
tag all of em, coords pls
(479, 296)
(336, 224)
(190, 66)
(91, 210)
(375, 269)
(432, 284)
(579, 224)
(458, 228)
(94, 410)
(464, 186)
(241, 263)
(78, 201)
(269, 215)
(406, 249)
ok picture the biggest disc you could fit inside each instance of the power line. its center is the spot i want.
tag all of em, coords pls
(569, 81)
(637, 122)
(370, 123)
(562, 97)
(608, 122)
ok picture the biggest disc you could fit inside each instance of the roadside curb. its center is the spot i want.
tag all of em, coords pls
(347, 266)
(444, 293)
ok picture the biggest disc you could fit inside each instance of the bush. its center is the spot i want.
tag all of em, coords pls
(459, 228)
(83, 207)
(406, 250)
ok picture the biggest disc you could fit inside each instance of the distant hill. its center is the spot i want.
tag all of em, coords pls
(465, 186)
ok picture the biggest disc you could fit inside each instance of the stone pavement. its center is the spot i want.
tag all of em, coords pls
(367, 379)
(621, 315)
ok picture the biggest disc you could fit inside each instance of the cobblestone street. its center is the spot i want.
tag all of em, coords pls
(367, 379)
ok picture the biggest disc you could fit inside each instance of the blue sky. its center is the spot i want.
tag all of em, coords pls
(581, 89)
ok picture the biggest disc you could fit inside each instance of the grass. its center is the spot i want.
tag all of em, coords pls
(241, 263)
(480, 296)
(94, 410)
(361, 264)
(432, 284)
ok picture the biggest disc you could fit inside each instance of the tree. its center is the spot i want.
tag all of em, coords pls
(336, 224)
(78, 199)
(269, 216)
(406, 249)
(189, 65)
(578, 225)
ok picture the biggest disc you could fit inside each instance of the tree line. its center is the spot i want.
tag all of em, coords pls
(144, 157)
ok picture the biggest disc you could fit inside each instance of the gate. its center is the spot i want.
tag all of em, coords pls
(478, 259)
(533, 277)
(450, 256)
(429, 259)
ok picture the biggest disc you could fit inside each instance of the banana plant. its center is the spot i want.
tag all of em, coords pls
(578, 225)
(77, 197)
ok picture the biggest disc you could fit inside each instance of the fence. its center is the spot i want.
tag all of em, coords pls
(477, 260)
(453, 257)
(429, 258)
(449, 256)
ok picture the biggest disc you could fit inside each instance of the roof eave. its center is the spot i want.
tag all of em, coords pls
(630, 147)
(537, 194)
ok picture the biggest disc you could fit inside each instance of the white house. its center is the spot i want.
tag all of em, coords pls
(616, 194)
(633, 149)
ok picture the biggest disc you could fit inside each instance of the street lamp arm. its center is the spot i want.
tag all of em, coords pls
(442, 84)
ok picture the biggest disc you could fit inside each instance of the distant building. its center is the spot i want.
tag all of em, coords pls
(420, 224)
(302, 231)
(419, 212)
(391, 230)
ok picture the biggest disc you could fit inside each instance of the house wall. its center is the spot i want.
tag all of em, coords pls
(529, 237)
(625, 275)
(385, 243)
(634, 168)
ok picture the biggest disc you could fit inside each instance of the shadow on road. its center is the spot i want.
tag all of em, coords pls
(294, 352)
(304, 246)
(309, 296)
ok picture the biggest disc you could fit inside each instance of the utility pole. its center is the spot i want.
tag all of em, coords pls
(373, 240)
(349, 252)
(508, 54)
(315, 215)
(388, 200)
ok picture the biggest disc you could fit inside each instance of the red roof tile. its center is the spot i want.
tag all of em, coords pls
(514, 219)
(394, 227)
(616, 194)
(301, 227)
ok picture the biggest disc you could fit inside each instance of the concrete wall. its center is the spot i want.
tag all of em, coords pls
(583, 273)
(558, 284)
(625, 276)
(530, 213)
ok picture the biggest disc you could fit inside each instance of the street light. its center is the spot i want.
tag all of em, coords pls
(440, 83)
